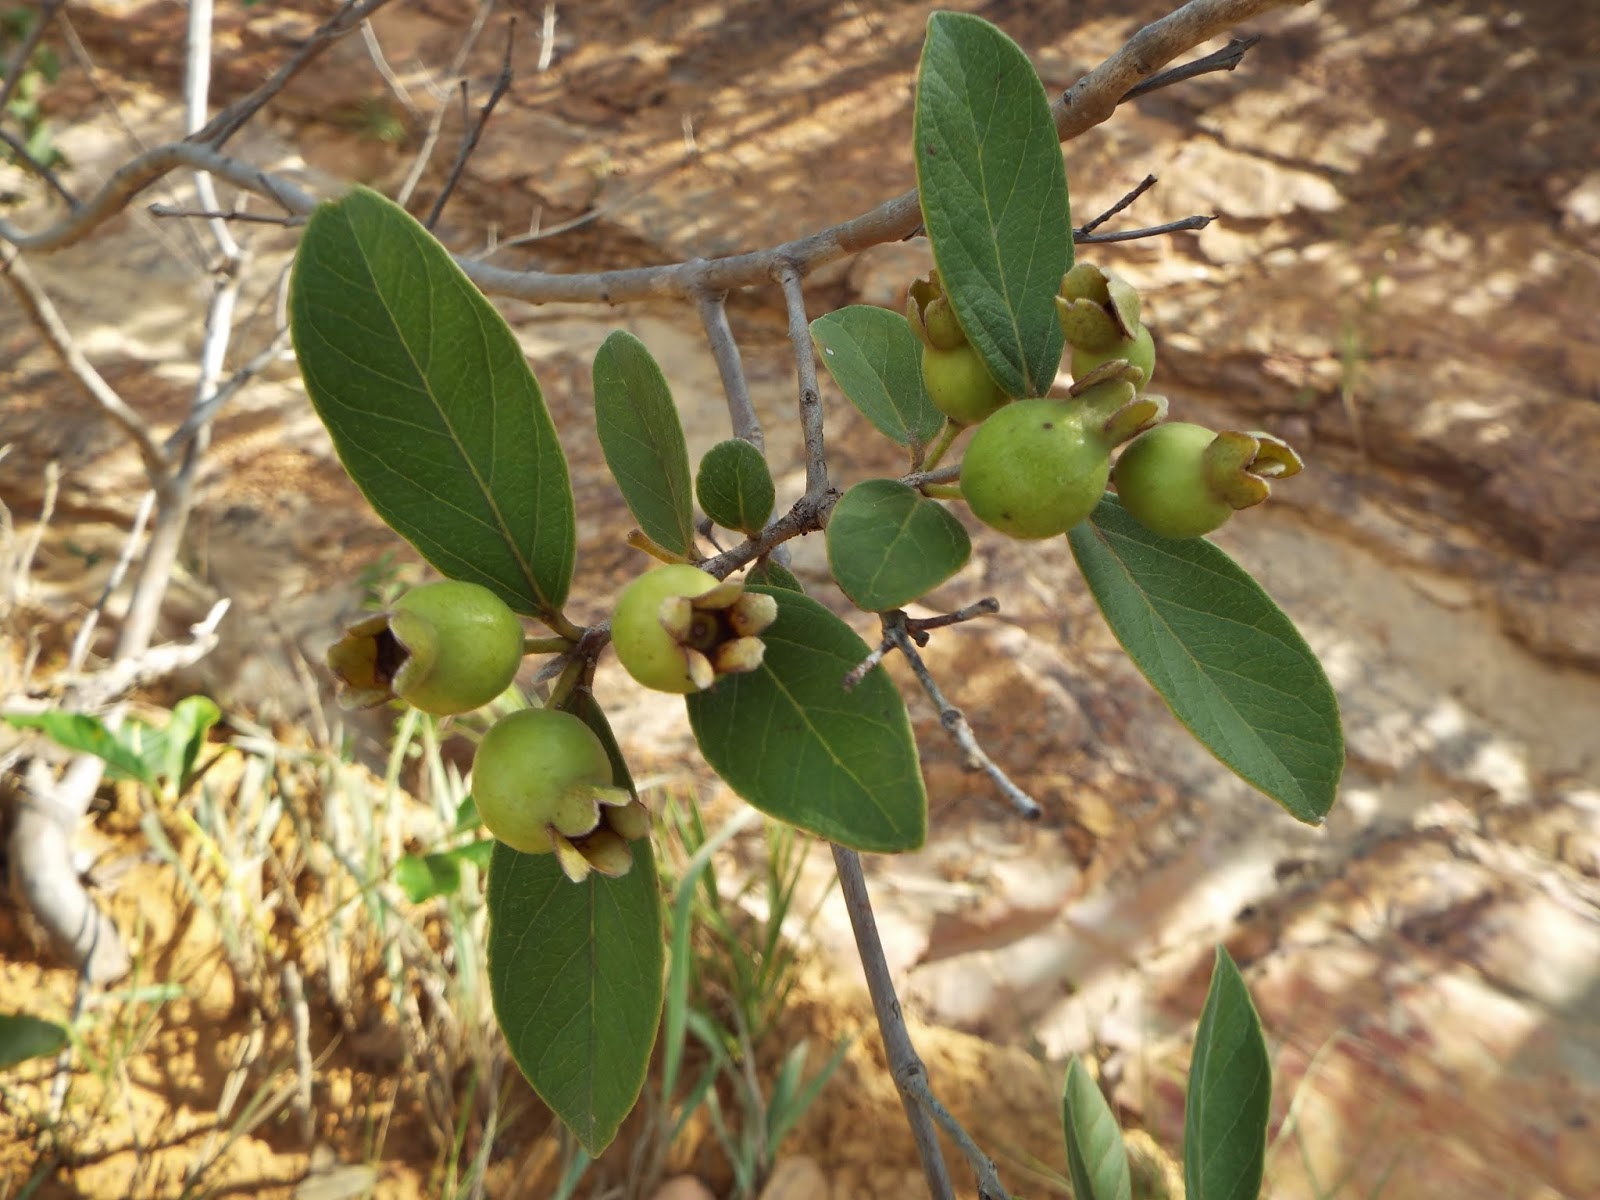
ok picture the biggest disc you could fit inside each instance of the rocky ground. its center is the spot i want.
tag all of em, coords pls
(1403, 281)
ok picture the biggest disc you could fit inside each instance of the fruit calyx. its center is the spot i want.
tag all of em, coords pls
(542, 784)
(1101, 318)
(445, 647)
(678, 629)
(931, 316)
(1183, 480)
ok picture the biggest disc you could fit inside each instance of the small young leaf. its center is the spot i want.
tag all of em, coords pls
(432, 407)
(575, 972)
(423, 876)
(1225, 658)
(876, 360)
(121, 750)
(642, 439)
(191, 720)
(1096, 1156)
(994, 196)
(23, 1037)
(735, 486)
(773, 574)
(888, 544)
(790, 740)
(1230, 1093)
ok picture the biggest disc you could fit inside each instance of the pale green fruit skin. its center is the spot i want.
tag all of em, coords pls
(1161, 481)
(646, 650)
(1140, 351)
(959, 385)
(523, 767)
(476, 650)
(1034, 470)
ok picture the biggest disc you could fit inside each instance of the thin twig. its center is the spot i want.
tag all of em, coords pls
(145, 169)
(369, 35)
(234, 118)
(954, 721)
(904, 1065)
(1129, 235)
(80, 643)
(196, 102)
(1088, 227)
(1225, 59)
(185, 244)
(794, 300)
(20, 149)
(538, 232)
(204, 412)
(1095, 97)
(233, 214)
(725, 350)
(19, 61)
(917, 628)
(945, 474)
(989, 1186)
(436, 122)
(1086, 104)
(805, 516)
(41, 310)
(547, 36)
(501, 86)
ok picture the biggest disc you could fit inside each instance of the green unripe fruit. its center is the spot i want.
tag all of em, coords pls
(1140, 351)
(1035, 469)
(647, 650)
(1162, 481)
(959, 385)
(447, 647)
(536, 771)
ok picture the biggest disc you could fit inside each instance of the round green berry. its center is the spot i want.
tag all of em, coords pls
(1161, 481)
(646, 648)
(461, 644)
(533, 773)
(1035, 469)
(959, 385)
(1140, 351)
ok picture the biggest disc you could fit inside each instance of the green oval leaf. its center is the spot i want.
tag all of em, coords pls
(1230, 1094)
(23, 1037)
(1225, 658)
(432, 407)
(1096, 1157)
(423, 876)
(790, 740)
(876, 360)
(575, 972)
(774, 574)
(125, 750)
(888, 544)
(642, 439)
(994, 196)
(735, 486)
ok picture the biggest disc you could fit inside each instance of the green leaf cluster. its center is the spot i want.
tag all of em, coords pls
(440, 422)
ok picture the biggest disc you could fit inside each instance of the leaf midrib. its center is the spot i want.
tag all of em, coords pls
(490, 499)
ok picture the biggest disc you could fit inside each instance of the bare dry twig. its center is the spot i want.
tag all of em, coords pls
(1086, 104)
(502, 85)
(904, 1064)
(725, 350)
